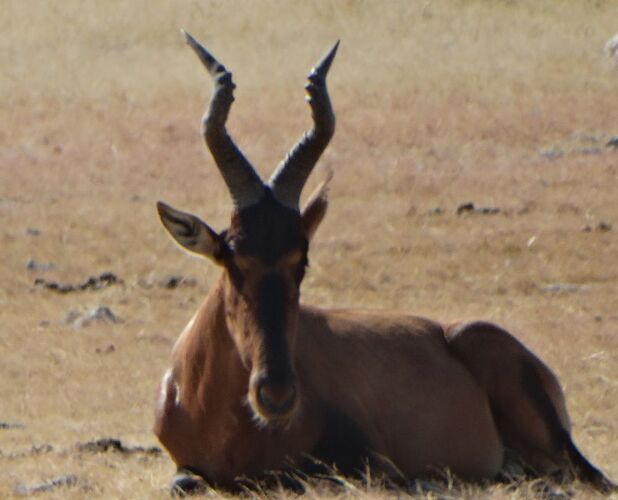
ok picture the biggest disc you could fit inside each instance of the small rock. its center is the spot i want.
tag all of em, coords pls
(97, 282)
(53, 286)
(601, 227)
(101, 445)
(93, 282)
(109, 349)
(109, 278)
(465, 208)
(89, 283)
(436, 211)
(172, 282)
(99, 314)
(33, 231)
(613, 142)
(611, 47)
(33, 265)
(470, 208)
(11, 425)
(552, 153)
(112, 444)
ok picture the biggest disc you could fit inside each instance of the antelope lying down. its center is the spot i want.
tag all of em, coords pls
(259, 381)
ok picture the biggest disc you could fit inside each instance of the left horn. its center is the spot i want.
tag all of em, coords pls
(289, 178)
(244, 184)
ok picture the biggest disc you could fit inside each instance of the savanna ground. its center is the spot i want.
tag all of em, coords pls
(506, 104)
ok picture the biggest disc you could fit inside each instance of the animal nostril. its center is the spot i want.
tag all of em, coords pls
(276, 399)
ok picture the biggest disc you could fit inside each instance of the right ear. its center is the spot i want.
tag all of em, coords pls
(190, 232)
(315, 209)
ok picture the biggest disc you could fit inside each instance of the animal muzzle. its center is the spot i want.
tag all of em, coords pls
(274, 401)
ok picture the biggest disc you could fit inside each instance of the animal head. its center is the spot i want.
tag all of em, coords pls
(263, 252)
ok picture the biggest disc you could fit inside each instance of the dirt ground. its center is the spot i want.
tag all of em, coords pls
(506, 104)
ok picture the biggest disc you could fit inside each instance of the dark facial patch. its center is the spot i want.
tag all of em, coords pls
(269, 236)
(266, 230)
(272, 316)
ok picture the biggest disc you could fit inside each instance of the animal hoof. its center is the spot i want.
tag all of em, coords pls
(185, 484)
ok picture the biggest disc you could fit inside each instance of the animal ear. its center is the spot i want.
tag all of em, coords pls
(315, 209)
(190, 232)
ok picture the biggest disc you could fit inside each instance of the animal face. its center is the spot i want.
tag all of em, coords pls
(265, 265)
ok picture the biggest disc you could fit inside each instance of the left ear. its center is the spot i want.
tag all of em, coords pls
(190, 232)
(315, 209)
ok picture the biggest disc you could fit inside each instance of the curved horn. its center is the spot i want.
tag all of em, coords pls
(243, 182)
(290, 176)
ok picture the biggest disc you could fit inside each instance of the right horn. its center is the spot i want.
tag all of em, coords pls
(244, 184)
(289, 178)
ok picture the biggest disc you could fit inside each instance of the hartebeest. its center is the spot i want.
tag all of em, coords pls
(259, 381)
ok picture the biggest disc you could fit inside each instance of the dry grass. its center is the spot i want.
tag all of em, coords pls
(438, 102)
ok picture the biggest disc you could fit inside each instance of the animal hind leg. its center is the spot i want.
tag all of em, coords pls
(526, 400)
